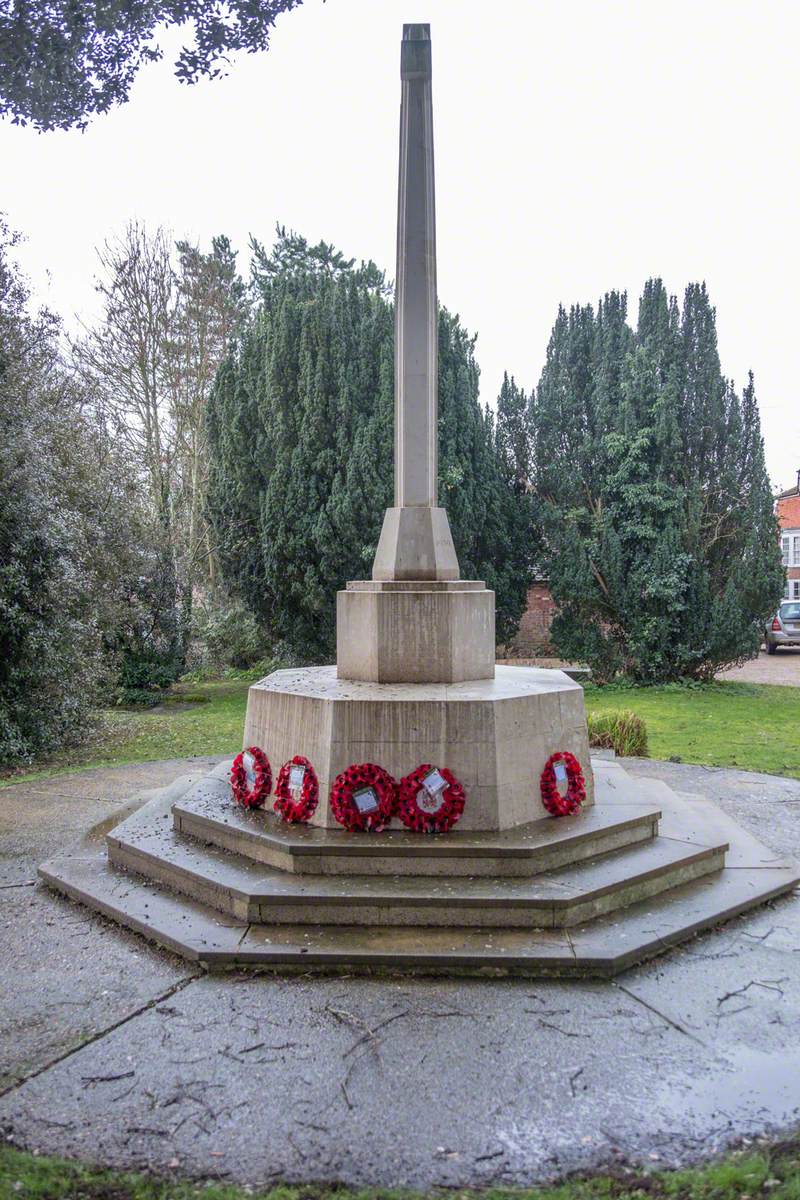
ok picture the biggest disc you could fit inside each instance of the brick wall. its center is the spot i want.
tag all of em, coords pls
(789, 511)
(534, 628)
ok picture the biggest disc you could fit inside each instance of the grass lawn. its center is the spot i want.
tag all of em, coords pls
(752, 726)
(772, 1171)
(206, 718)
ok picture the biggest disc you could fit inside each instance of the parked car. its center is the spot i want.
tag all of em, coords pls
(784, 628)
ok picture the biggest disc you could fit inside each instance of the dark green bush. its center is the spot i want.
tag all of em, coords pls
(225, 635)
(146, 671)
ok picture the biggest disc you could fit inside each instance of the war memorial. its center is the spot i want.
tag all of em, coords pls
(416, 806)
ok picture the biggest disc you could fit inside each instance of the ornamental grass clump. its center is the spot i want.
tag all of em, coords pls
(621, 731)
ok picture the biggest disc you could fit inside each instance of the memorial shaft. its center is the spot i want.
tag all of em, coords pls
(416, 315)
(415, 542)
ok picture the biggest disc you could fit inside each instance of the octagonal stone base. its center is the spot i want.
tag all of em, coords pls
(495, 735)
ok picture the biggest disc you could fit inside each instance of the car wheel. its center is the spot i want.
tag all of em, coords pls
(771, 647)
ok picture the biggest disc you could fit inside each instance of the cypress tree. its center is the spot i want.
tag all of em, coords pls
(661, 545)
(513, 436)
(301, 445)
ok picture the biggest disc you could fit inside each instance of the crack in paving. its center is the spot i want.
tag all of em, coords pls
(101, 1033)
(664, 1016)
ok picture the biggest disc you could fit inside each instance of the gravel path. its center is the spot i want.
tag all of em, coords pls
(782, 667)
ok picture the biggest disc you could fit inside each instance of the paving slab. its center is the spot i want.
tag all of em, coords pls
(415, 1084)
(66, 976)
(40, 818)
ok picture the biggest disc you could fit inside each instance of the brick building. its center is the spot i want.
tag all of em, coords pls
(788, 510)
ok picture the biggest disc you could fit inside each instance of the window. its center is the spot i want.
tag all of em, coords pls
(795, 589)
(796, 551)
(787, 591)
(785, 551)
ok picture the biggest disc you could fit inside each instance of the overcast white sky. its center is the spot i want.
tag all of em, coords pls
(581, 145)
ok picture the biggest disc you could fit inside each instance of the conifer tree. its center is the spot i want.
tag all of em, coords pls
(661, 543)
(301, 444)
(513, 436)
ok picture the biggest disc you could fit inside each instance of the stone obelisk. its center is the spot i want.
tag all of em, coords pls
(415, 621)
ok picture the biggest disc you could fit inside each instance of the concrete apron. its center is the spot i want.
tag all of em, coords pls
(415, 1082)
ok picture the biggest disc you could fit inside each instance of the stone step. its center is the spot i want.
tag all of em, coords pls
(207, 813)
(601, 948)
(254, 892)
(703, 819)
(146, 843)
(691, 817)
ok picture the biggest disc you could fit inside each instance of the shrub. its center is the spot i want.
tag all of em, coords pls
(661, 547)
(146, 671)
(225, 635)
(49, 652)
(621, 731)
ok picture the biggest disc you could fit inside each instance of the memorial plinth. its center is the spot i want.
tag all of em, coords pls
(405, 631)
(495, 735)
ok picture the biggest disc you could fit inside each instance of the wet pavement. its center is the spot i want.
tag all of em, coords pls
(114, 1052)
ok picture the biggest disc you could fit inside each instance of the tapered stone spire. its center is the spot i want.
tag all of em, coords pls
(415, 542)
(416, 620)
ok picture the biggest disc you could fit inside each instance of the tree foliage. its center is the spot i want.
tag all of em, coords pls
(63, 61)
(301, 435)
(150, 363)
(661, 544)
(78, 549)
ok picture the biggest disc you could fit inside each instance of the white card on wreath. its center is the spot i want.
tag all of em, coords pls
(434, 783)
(366, 801)
(296, 777)
(248, 762)
(428, 803)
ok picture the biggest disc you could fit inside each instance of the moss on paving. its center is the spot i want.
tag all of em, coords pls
(750, 726)
(751, 1173)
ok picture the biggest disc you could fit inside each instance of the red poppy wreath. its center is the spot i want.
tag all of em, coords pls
(363, 798)
(251, 778)
(559, 767)
(296, 790)
(431, 800)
